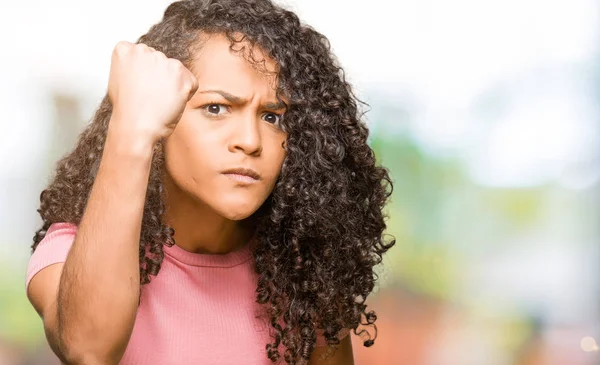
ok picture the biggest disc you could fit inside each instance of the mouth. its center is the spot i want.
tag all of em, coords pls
(243, 175)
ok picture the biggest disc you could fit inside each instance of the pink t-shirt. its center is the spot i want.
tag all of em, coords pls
(199, 309)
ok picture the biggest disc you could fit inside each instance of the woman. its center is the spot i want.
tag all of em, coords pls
(228, 163)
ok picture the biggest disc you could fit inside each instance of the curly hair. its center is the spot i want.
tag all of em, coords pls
(321, 230)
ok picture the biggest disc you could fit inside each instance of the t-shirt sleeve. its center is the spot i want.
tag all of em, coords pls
(52, 249)
(321, 341)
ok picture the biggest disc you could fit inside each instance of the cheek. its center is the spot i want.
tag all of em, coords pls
(186, 156)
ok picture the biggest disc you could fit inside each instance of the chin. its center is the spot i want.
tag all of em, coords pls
(237, 216)
(236, 212)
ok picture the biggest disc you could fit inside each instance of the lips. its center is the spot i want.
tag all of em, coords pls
(243, 173)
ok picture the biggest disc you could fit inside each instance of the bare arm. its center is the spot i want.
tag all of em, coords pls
(89, 303)
(99, 287)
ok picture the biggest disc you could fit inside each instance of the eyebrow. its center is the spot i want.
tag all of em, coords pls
(240, 101)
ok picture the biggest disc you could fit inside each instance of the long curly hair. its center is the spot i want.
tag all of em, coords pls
(321, 231)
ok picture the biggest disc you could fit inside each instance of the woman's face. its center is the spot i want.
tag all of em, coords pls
(231, 122)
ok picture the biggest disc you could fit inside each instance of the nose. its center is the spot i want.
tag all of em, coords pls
(245, 136)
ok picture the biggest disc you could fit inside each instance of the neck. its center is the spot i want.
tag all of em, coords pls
(199, 228)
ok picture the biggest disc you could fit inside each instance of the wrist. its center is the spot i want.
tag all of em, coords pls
(123, 138)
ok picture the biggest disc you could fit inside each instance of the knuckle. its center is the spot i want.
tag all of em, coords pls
(141, 47)
(175, 64)
(122, 46)
(159, 54)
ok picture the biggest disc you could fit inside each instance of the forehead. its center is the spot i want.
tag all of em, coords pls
(217, 63)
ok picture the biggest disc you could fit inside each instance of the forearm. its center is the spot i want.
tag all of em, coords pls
(100, 284)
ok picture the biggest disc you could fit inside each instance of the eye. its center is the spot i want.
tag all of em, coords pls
(272, 118)
(214, 109)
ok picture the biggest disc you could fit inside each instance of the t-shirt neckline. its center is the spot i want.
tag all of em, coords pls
(229, 259)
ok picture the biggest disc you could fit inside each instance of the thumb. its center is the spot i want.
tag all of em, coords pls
(194, 87)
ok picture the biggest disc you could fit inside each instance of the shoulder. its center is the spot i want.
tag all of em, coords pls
(52, 249)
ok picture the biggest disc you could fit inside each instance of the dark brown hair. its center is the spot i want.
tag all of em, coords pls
(321, 229)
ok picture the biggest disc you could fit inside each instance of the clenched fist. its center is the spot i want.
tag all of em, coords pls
(148, 91)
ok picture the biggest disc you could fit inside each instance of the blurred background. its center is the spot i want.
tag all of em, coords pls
(486, 113)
